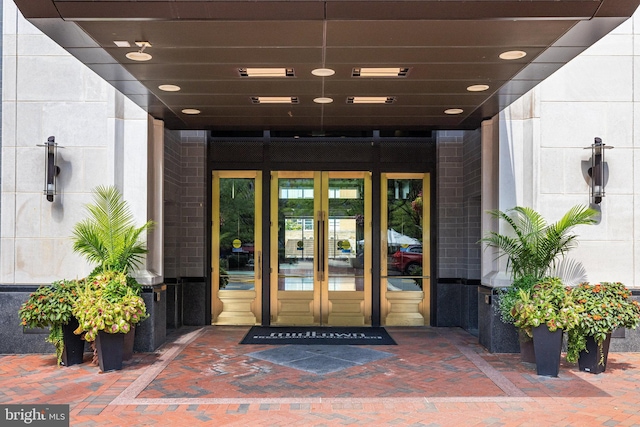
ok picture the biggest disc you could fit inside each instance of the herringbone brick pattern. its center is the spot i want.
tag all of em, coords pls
(435, 377)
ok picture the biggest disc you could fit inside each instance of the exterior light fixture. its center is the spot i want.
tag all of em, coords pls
(598, 172)
(51, 170)
(453, 111)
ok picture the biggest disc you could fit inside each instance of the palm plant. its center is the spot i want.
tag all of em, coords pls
(536, 246)
(109, 237)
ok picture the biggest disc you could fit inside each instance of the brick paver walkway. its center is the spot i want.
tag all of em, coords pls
(434, 377)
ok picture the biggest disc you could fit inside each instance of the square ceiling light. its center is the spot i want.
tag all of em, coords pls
(379, 72)
(371, 99)
(274, 99)
(266, 72)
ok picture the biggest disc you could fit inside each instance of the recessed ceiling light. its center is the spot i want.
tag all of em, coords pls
(513, 54)
(138, 56)
(380, 72)
(371, 100)
(454, 111)
(122, 43)
(274, 99)
(477, 88)
(191, 111)
(169, 88)
(266, 72)
(323, 72)
(323, 100)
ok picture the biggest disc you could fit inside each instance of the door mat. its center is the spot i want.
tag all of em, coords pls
(305, 335)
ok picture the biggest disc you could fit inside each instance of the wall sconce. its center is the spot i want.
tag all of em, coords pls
(51, 170)
(598, 172)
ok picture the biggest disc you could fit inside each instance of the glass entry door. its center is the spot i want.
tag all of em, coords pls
(321, 233)
(236, 252)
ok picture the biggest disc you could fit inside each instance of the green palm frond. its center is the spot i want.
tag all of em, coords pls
(109, 237)
(535, 246)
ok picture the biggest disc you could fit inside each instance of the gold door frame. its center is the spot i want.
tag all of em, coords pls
(235, 307)
(313, 307)
(411, 308)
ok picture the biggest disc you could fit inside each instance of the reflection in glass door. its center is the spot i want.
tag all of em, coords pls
(236, 247)
(322, 238)
(405, 261)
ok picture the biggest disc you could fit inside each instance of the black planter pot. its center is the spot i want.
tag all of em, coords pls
(547, 346)
(110, 350)
(589, 359)
(527, 352)
(129, 339)
(73, 353)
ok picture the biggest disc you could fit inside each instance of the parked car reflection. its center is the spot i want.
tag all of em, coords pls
(408, 260)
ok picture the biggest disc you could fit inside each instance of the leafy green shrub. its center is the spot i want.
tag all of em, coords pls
(51, 307)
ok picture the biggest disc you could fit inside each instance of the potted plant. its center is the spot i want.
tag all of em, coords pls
(109, 238)
(51, 307)
(605, 308)
(107, 308)
(535, 249)
(507, 298)
(544, 313)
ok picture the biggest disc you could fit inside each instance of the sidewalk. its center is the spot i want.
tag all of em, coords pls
(433, 377)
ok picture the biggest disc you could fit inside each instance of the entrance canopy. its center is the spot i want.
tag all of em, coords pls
(448, 73)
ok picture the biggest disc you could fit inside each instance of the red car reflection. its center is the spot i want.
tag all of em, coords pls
(408, 260)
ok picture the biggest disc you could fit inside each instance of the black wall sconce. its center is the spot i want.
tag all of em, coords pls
(51, 170)
(598, 172)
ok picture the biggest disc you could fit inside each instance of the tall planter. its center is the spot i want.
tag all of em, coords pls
(527, 352)
(547, 346)
(110, 348)
(73, 353)
(129, 340)
(589, 359)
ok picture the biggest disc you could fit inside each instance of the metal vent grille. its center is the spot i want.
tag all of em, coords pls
(407, 152)
(237, 151)
(320, 151)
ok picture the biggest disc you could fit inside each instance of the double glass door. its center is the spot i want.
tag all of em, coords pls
(321, 233)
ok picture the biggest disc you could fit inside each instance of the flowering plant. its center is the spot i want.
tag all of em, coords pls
(416, 204)
(605, 307)
(547, 302)
(50, 307)
(108, 303)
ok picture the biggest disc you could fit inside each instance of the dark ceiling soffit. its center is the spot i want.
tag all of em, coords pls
(610, 14)
(319, 10)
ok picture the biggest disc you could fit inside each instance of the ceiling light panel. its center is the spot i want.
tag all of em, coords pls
(380, 72)
(371, 100)
(266, 72)
(274, 99)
